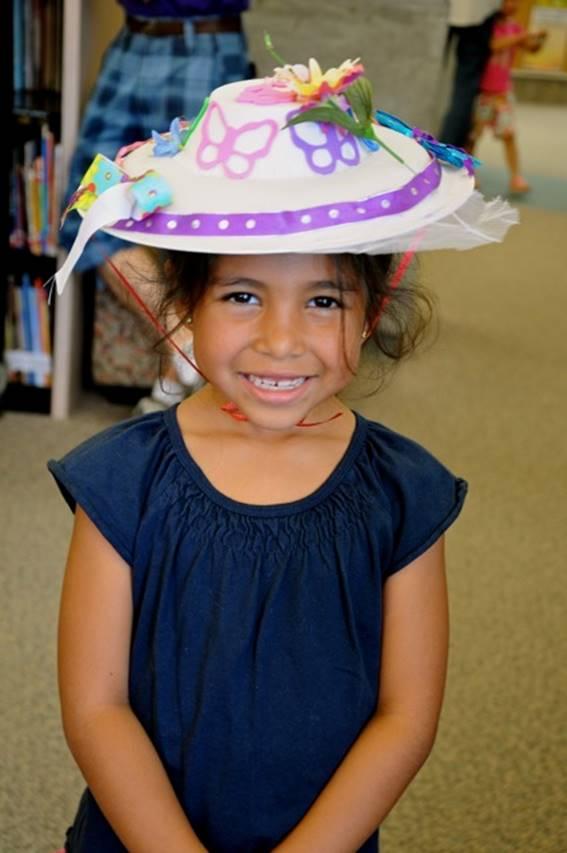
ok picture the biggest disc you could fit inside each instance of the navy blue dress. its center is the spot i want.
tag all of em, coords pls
(256, 636)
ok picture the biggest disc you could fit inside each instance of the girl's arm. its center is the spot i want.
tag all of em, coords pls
(113, 751)
(523, 39)
(397, 740)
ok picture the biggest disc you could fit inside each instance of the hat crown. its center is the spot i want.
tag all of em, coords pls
(240, 135)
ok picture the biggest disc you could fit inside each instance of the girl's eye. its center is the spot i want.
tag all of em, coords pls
(241, 298)
(326, 302)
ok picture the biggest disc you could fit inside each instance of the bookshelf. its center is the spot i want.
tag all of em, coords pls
(39, 344)
(31, 52)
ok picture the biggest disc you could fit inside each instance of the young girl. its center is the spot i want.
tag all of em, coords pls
(253, 627)
(495, 103)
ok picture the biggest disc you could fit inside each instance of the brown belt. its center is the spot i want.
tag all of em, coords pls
(159, 28)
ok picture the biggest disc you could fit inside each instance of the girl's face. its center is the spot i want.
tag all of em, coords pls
(509, 7)
(275, 335)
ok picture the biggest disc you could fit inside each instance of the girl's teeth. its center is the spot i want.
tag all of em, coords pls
(275, 384)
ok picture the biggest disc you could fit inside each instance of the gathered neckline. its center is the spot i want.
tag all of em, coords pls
(198, 476)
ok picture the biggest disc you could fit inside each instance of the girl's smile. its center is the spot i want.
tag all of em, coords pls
(276, 389)
(278, 335)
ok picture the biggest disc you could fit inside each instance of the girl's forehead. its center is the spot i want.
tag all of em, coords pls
(289, 267)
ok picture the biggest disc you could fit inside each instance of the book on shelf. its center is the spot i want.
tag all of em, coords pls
(18, 42)
(27, 333)
(30, 324)
(35, 194)
(37, 39)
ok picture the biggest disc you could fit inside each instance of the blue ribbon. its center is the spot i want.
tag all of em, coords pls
(440, 150)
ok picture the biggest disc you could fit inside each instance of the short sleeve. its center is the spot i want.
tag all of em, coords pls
(424, 497)
(110, 475)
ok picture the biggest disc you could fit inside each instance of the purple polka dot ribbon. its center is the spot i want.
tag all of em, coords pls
(289, 221)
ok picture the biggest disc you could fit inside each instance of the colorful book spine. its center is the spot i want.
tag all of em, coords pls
(43, 308)
(56, 191)
(30, 333)
(45, 185)
(19, 45)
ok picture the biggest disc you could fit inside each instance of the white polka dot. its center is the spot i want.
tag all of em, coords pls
(196, 223)
(223, 224)
(333, 213)
(149, 223)
(129, 223)
(414, 191)
(306, 218)
(385, 203)
(172, 224)
(361, 210)
(250, 223)
(426, 181)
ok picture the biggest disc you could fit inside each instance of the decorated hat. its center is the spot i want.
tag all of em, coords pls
(297, 162)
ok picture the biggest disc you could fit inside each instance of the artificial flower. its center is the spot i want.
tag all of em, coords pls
(169, 144)
(357, 118)
(309, 84)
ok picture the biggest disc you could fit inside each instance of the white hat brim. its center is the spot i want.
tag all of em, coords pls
(366, 235)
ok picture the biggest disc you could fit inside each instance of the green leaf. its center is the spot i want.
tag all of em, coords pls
(359, 96)
(390, 151)
(193, 126)
(268, 44)
(329, 113)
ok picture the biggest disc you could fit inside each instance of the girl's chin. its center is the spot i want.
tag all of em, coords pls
(275, 410)
(280, 419)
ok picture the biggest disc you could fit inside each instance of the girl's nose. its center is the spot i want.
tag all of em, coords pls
(280, 335)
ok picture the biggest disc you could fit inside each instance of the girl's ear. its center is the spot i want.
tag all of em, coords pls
(183, 319)
(177, 321)
(371, 325)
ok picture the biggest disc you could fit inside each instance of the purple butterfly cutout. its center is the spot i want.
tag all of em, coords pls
(337, 146)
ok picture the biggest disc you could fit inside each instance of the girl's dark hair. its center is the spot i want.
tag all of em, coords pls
(397, 313)
(397, 317)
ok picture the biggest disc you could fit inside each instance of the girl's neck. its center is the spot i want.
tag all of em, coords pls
(262, 467)
(210, 410)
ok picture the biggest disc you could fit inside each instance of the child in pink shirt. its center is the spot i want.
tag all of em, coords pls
(494, 106)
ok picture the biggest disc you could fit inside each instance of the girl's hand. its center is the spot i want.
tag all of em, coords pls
(534, 41)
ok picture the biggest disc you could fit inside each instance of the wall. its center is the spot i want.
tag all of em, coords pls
(399, 41)
(101, 21)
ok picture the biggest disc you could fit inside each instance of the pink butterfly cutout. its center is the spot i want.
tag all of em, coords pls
(236, 149)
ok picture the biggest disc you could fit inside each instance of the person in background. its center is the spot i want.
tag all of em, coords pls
(495, 102)
(166, 58)
(470, 26)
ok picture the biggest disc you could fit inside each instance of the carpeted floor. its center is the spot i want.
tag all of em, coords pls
(488, 397)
